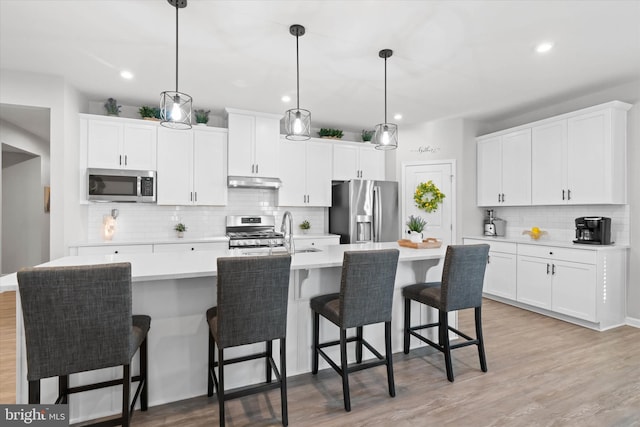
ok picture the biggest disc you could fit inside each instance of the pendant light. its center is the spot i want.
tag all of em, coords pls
(175, 107)
(386, 134)
(297, 122)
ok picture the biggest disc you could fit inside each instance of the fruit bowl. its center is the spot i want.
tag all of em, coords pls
(535, 233)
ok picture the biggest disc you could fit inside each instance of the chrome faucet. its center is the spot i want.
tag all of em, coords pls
(287, 229)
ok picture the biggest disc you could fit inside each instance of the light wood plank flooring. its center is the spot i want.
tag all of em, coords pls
(542, 372)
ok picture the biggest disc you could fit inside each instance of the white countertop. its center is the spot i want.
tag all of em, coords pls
(173, 240)
(546, 242)
(184, 265)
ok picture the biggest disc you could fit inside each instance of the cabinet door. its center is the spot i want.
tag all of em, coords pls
(209, 168)
(104, 144)
(139, 147)
(318, 173)
(345, 162)
(241, 140)
(189, 247)
(516, 168)
(372, 163)
(589, 135)
(292, 173)
(574, 289)
(500, 277)
(548, 164)
(489, 171)
(175, 167)
(534, 281)
(267, 138)
(112, 249)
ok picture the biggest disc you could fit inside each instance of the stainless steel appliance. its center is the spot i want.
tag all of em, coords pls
(365, 211)
(253, 231)
(121, 185)
(594, 230)
(494, 226)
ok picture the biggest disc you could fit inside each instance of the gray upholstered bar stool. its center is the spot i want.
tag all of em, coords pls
(79, 319)
(460, 288)
(366, 296)
(252, 308)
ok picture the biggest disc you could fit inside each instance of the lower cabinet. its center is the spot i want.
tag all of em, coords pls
(111, 249)
(313, 241)
(500, 276)
(187, 247)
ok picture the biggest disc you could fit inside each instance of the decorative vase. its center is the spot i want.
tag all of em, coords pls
(305, 230)
(180, 234)
(415, 237)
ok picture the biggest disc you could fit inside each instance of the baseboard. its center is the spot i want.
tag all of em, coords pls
(631, 321)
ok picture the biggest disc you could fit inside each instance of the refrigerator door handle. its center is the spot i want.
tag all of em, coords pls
(377, 213)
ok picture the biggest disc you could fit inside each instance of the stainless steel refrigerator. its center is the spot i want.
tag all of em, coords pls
(365, 211)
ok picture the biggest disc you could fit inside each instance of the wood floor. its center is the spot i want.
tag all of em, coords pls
(542, 372)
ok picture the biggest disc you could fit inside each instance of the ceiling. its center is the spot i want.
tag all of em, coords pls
(473, 59)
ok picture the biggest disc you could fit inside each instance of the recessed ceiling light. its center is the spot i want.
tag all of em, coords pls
(286, 98)
(398, 116)
(126, 74)
(544, 47)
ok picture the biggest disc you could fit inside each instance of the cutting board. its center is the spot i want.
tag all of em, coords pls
(428, 243)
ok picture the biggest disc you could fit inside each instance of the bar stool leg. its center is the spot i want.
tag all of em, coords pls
(63, 385)
(269, 351)
(407, 324)
(389, 357)
(144, 393)
(359, 344)
(126, 390)
(444, 337)
(34, 392)
(316, 342)
(344, 367)
(221, 385)
(283, 381)
(210, 367)
(481, 355)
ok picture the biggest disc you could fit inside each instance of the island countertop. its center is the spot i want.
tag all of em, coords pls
(185, 265)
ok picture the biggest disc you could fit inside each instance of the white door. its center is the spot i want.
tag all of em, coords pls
(439, 222)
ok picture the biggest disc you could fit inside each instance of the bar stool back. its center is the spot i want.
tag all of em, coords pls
(366, 296)
(252, 307)
(460, 288)
(79, 319)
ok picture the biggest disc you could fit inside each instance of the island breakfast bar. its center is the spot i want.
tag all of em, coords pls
(176, 289)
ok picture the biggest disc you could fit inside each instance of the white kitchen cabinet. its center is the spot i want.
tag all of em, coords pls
(191, 167)
(111, 249)
(188, 247)
(116, 143)
(500, 275)
(534, 281)
(311, 241)
(305, 171)
(253, 143)
(549, 163)
(504, 169)
(357, 161)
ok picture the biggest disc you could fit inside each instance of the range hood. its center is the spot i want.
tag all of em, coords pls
(253, 182)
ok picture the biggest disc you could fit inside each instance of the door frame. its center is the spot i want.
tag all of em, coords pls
(452, 196)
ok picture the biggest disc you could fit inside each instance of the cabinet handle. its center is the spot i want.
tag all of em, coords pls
(547, 268)
(193, 249)
(488, 259)
(125, 160)
(568, 194)
(308, 198)
(115, 252)
(120, 160)
(257, 165)
(562, 194)
(253, 167)
(550, 253)
(502, 197)
(553, 269)
(191, 196)
(498, 197)
(195, 196)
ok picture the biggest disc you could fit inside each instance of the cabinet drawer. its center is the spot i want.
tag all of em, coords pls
(304, 242)
(110, 249)
(506, 247)
(584, 256)
(186, 247)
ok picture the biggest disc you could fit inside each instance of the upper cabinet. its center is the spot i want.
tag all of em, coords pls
(576, 158)
(504, 169)
(305, 171)
(357, 161)
(116, 143)
(253, 143)
(192, 166)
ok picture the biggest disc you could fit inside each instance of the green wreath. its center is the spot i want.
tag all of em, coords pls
(428, 196)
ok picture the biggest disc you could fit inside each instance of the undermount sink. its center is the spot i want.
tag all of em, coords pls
(306, 250)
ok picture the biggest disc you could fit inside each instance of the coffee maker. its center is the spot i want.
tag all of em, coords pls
(593, 230)
(493, 226)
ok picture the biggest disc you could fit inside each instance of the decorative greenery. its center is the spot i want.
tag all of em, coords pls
(416, 223)
(146, 111)
(112, 107)
(428, 196)
(180, 227)
(305, 225)
(367, 135)
(330, 133)
(202, 116)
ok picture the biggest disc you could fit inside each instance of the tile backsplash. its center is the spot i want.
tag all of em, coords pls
(559, 221)
(147, 222)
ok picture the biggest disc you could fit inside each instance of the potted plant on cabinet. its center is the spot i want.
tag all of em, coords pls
(330, 133)
(305, 226)
(180, 229)
(112, 107)
(367, 135)
(149, 113)
(202, 116)
(416, 225)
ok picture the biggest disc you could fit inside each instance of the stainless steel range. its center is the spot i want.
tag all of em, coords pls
(255, 231)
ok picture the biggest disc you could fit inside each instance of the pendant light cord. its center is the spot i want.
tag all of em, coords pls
(385, 89)
(297, 75)
(176, 46)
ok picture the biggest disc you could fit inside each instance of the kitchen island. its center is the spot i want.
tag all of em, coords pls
(176, 289)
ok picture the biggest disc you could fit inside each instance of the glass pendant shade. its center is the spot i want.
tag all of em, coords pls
(386, 136)
(297, 124)
(175, 110)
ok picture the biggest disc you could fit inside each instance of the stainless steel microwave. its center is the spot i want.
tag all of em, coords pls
(121, 185)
